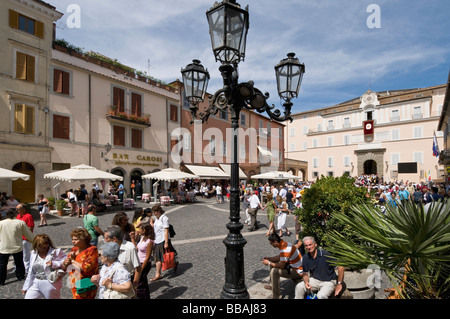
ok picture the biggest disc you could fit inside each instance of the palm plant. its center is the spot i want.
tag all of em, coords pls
(411, 244)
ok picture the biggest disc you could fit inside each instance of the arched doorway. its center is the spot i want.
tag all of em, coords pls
(25, 191)
(370, 167)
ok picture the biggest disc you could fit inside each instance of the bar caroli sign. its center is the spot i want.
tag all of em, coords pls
(368, 130)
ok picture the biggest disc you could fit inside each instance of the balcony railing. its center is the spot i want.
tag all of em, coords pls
(115, 114)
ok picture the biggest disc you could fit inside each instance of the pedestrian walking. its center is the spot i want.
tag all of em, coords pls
(25, 216)
(44, 278)
(12, 232)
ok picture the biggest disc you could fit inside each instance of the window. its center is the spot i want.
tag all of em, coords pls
(119, 99)
(330, 140)
(418, 157)
(330, 125)
(136, 138)
(26, 24)
(292, 132)
(119, 135)
(292, 147)
(269, 130)
(315, 142)
(224, 148)
(330, 161)
(173, 113)
(395, 135)
(61, 126)
(61, 81)
(242, 119)
(418, 132)
(305, 130)
(25, 66)
(395, 158)
(223, 114)
(305, 146)
(395, 115)
(347, 161)
(417, 112)
(346, 122)
(212, 146)
(24, 119)
(136, 104)
(315, 162)
(187, 141)
(347, 139)
(242, 152)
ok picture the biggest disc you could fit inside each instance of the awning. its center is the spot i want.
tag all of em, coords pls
(264, 151)
(207, 172)
(227, 169)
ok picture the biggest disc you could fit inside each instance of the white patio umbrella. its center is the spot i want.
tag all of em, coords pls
(170, 175)
(11, 175)
(275, 175)
(82, 173)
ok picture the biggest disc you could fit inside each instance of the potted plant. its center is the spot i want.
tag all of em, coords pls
(60, 205)
(410, 243)
(51, 202)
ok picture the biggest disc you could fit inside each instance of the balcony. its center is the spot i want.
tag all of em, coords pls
(116, 116)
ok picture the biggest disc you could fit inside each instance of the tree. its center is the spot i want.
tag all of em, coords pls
(327, 197)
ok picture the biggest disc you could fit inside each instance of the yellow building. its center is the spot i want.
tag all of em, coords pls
(26, 35)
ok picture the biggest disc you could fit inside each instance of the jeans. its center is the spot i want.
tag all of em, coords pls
(20, 267)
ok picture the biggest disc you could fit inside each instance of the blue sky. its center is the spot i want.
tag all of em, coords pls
(344, 57)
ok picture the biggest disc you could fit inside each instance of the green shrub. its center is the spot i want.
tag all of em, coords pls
(327, 197)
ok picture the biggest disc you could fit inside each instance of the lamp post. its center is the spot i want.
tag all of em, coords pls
(228, 25)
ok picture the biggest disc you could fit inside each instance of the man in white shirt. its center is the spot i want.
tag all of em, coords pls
(274, 192)
(283, 192)
(219, 194)
(11, 243)
(128, 253)
(254, 204)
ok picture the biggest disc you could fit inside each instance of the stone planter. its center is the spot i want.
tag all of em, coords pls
(358, 282)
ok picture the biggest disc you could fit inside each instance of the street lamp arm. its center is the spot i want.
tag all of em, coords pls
(258, 102)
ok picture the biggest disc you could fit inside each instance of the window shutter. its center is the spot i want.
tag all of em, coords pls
(57, 80)
(173, 113)
(136, 138)
(13, 19)
(65, 82)
(19, 123)
(29, 120)
(118, 99)
(136, 101)
(30, 68)
(39, 29)
(61, 127)
(21, 66)
(119, 135)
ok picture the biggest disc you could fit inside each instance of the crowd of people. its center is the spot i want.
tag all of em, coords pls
(117, 270)
(121, 267)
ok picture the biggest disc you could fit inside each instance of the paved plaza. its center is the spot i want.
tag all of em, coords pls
(200, 230)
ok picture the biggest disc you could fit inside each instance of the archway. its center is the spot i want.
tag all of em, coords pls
(136, 179)
(25, 191)
(370, 167)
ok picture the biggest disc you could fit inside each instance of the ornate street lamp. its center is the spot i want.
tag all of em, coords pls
(228, 25)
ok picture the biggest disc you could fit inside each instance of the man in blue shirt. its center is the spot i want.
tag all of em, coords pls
(120, 191)
(318, 273)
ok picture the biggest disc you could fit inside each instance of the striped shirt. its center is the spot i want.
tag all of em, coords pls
(289, 253)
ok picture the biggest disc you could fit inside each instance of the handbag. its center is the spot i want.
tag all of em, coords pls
(113, 294)
(84, 285)
(168, 260)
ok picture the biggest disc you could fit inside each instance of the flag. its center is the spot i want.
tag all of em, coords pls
(435, 146)
(429, 175)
